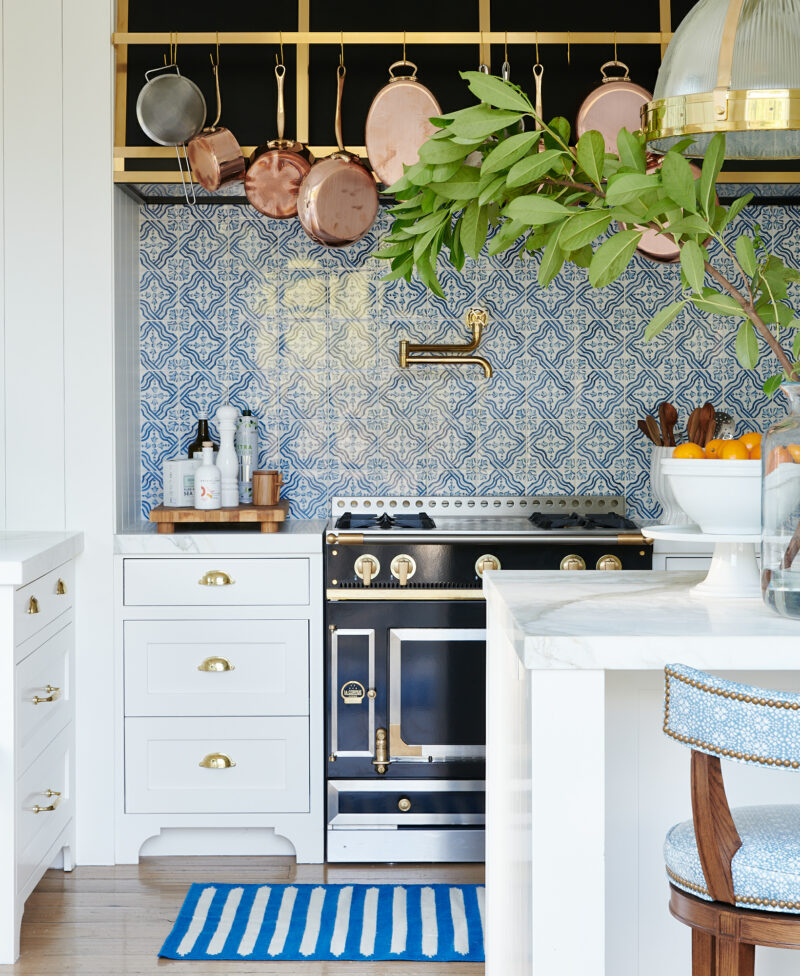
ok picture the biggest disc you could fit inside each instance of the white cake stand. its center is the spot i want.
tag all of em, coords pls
(733, 574)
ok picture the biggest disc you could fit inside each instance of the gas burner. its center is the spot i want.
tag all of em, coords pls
(411, 520)
(609, 520)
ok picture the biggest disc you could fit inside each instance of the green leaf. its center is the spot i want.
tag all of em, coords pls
(712, 164)
(443, 151)
(428, 277)
(456, 248)
(393, 250)
(738, 205)
(631, 151)
(529, 170)
(420, 174)
(630, 186)
(462, 186)
(717, 303)
(431, 221)
(560, 127)
(495, 91)
(483, 122)
(474, 228)
(536, 210)
(693, 265)
(509, 151)
(551, 263)
(491, 190)
(582, 257)
(693, 224)
(613, 257)
(591, 151)
(678, 180)
(445, 171)
(773, 384)
(541, 237)
(746, 254)
(796, 346)
(582, 229)
(401, 269)
(746, 345)
(662, 319)
(792, 276)
(510, 231)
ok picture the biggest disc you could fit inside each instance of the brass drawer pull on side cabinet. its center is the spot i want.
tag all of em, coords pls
(33, 605)
(215, 577)
(53, 694)
(216, 760)
(216, 664)
(61, 587)
(52, 806)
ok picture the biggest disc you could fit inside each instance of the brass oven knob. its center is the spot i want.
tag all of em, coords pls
(404, 804)
(573, 561)
(403, 568)
(609, 561)
(367, 567)
(487, 561)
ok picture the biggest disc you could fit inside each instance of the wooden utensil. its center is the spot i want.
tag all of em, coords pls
(693, 426)
(652, 429)
(670, 419)
(708, 421)
(644, 429)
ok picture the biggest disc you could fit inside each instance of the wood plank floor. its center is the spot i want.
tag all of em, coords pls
(113, 920)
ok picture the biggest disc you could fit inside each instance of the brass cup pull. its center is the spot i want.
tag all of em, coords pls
(33, 605)
(215, 577)
(53, 694)
(216, 760)
(572, 562)
(404, 804)
(61, 587)
(52, 806)
(609, 562)
(216, 664)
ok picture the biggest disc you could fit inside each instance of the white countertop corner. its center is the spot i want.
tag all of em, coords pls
(25, 556)
(295, 536)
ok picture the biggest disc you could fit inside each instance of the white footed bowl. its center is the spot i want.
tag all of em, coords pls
(722, 497)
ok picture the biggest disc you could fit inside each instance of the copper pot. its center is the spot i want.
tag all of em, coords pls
(338, 200)
(215, 155)
(612, 106)
(277, 169)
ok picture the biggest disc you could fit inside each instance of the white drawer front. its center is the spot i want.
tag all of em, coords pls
(163, 772)
(252, 582)
(44, 695)
(41, 601)
(36, 832)
(268, 661)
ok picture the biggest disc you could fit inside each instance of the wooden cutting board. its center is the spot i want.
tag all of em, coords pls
(270, 516)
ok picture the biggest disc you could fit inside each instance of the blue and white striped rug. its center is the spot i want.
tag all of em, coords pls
(434, 923)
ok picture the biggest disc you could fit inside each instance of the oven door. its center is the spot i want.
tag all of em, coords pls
(437, 694)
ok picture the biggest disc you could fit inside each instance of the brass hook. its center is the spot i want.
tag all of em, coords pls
(615, 45)
(279, 63)
(537, 47)
(404, 45)
(215, 64)
(173, 47)
(341, 49)
(505, 46)
(568, 40)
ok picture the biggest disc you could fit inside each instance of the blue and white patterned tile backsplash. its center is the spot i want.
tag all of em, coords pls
(307, 338)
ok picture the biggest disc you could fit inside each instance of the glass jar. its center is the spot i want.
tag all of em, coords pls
(780, 510)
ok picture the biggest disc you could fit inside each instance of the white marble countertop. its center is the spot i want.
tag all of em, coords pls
(294, 536)
(635, 620)
(24, 556)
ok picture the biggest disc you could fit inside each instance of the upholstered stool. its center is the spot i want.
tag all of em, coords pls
(734, 874)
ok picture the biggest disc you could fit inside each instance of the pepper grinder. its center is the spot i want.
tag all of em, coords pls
(226, 457)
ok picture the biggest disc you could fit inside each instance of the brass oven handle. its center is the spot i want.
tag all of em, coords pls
(573, 562)
(216, 577)
(216, 664)
(33, 605)
(381, 760)
(52, 806)
(216, 760)
(53, 694)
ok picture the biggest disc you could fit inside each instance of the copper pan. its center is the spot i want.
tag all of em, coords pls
(616, 103)
(214, 154)
(398, 123)
(338, 199)
(277, 168)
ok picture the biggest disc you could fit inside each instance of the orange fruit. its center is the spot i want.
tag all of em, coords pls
(689, 450)
(750, 439)
(755, 452)
(794, 450)
(778, 455)
(734, 451)
(714, 448)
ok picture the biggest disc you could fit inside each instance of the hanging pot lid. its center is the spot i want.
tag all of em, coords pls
(615, 104)
(732, 66)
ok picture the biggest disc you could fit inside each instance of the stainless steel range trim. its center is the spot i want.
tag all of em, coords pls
(394, 537)
(483, 505)
(335, 634)
(417, 751)
(369, 845)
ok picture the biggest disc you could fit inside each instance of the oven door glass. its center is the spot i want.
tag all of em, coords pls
(437, 689)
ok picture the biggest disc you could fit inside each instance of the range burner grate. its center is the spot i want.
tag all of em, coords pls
(572, 520)
(409, 520)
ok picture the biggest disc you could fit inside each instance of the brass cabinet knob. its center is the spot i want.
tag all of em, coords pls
(367, 568)
(53, 694)
(216, 760)
(487, 561)
(215, 577)
(52, 806)
(573, 561)
(403, 568)
(33, 605)
(372, 693)
(61, 587)
(404, 804)
(609, 561)
(215, 664)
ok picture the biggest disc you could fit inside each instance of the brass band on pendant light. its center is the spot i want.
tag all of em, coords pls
(750, 92)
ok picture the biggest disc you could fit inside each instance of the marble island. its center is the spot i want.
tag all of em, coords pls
(582, 786)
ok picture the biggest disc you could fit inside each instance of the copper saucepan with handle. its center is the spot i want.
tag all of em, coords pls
(612, 106)
(277, 168)
(215, 155)
(338, 199)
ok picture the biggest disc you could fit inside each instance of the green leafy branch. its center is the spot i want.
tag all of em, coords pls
(485, 168)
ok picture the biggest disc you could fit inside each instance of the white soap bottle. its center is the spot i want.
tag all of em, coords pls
(227, 461)
(207, 480)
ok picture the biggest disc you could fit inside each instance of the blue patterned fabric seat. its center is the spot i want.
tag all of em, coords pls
(745, 724)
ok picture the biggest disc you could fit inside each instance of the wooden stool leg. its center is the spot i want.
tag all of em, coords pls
(704, 953)
(735, 958)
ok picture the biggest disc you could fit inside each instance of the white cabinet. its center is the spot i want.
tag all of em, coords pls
(37, 740)
(220, 710)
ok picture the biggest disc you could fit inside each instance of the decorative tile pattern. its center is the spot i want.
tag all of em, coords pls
(307, 338)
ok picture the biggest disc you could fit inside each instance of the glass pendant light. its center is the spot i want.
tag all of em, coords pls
(732, 66)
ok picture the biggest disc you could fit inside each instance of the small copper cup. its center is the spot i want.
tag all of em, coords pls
(267, 487)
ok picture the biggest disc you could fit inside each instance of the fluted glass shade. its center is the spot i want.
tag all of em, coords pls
(760, 112)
